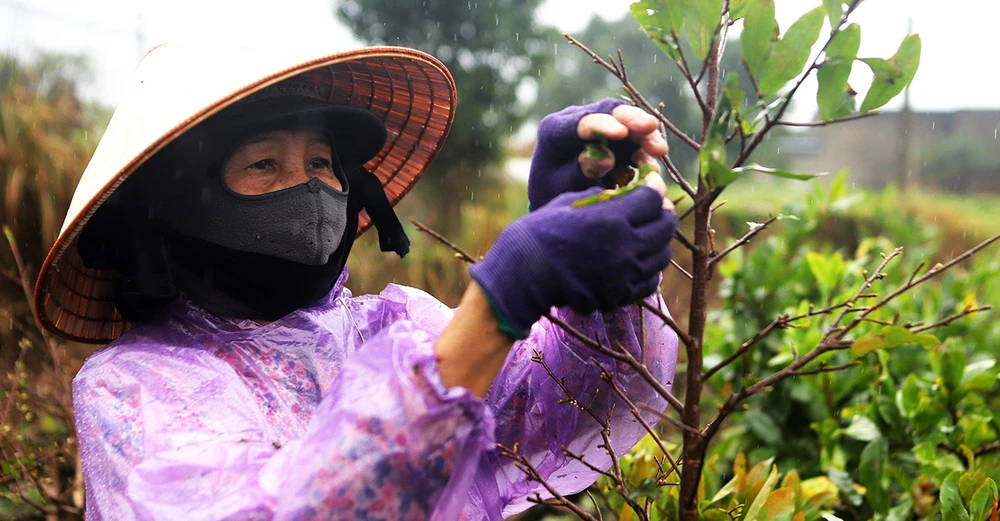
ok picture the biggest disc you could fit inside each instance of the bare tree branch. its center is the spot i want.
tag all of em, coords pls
(635, 94)
(459, 252)
(742, 240)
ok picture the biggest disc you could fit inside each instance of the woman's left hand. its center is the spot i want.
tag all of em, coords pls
(561, 162)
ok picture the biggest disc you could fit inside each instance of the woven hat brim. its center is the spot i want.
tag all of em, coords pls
(411, 92)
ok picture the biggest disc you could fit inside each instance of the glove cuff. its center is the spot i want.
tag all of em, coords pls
(515, 276)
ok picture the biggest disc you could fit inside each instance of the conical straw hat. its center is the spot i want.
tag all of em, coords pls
(177, 86)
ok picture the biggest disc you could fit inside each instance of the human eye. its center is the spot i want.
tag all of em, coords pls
(320, 163)
(263, 164)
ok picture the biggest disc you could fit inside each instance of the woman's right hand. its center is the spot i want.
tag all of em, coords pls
(597, 257)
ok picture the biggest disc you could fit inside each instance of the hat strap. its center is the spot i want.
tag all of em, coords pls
(368, 188)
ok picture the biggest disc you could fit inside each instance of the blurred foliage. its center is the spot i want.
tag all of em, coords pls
(890, 430)
(47, 135)
(493, 48)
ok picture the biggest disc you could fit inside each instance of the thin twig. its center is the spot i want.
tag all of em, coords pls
(635, 93)
(777, 323)
(681, 334)
(825, 369)
(830, 122)
(642, 421)
(534, 475)
(681, 238)
(742, 240)
(459, 252)
(682, 270)
(952, 318)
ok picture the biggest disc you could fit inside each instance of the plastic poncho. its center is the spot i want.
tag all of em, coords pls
(337, 411)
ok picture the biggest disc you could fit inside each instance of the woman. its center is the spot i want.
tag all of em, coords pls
(207, 242)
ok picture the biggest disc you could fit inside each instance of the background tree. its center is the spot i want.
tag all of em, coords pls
(493, 48)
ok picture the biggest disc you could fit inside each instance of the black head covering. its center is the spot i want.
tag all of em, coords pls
(136, 231)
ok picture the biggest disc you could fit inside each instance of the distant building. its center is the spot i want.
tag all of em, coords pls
(958, 151)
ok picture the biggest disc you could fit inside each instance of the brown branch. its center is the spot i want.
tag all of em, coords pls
(623, 356)
(777, 323)
(459, 252)
(675, 174)
(682, 270)
(533, 474)
(635, 94)
(825, 123)
(825, 369)
(952, 318)
(988, 448)
(642, 421)
(933, 272)
(742, 240)
(681, 238)
(672, 421)
(681, 334)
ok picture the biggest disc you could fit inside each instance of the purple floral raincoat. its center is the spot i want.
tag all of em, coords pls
(338, 412)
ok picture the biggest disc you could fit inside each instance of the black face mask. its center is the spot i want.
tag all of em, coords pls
(176, 226)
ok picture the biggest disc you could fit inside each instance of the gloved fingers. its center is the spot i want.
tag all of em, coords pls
(593, 127)
(567, 198)
(640, 206)
(594, 168)
(656, 234)
(653, 263)
(643, 129)
(643, 288)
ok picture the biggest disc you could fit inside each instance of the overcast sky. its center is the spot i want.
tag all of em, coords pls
(958, 67)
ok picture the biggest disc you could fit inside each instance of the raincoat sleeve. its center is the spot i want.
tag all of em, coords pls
(531, 412)
(171, 433)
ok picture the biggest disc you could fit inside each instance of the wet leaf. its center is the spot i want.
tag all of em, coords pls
(790, 54)
(871, 469)
(863, 429)
(835, 10)
(951, 500)
(760, 30)
(892, 75)
(758, 503)
(701, 21)
(778, 173)
(662, 20)
(835, 97)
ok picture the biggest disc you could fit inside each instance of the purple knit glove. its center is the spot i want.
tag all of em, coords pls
(554, 166)
(596, 257)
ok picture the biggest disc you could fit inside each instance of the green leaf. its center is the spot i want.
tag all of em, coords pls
(871, 469)
(827, 269)
(765, 491)
(889, 337)
(760, 30)
(835, 10)
(596, 152)
(789, 56)
(863, 429)
(951, 500)
(731, 88)
(702, 21)
(737, 9)
(712, 165)
(982, 501)
(778, 173)
(662, 21)
(835, 97)
(892, 75)
(763, 427)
